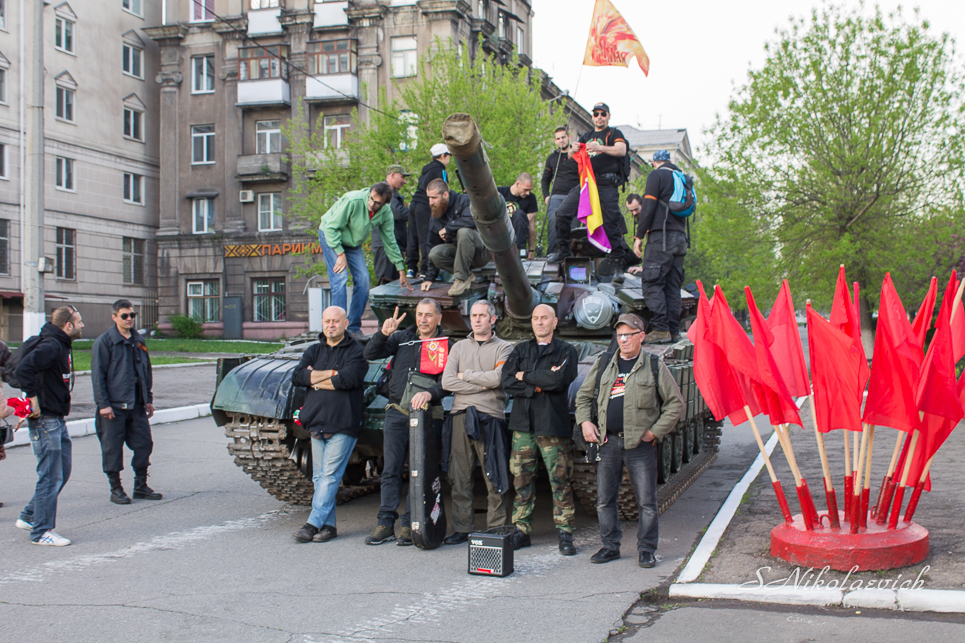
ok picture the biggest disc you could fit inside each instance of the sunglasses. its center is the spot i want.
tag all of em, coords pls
(623, 336)
(599, 113)
(126, 316)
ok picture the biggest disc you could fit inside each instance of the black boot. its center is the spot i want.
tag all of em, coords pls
(141, 490)
(118, 497)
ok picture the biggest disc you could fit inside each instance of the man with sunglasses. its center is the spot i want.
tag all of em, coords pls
(341, 234)
(123, 384)
(634, 411)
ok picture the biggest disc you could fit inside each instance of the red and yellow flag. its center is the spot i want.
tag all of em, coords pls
(435, 352)
(612, 41)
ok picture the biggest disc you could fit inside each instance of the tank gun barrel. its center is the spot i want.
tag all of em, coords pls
(488, 208)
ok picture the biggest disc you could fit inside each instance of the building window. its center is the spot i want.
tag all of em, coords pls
(65, 104)
(335, 127)
(132, 6)
(519, 38)
(265, 4)
(269, 212)
(267, 137)
(133, 124)
(64, 34)
(203, 211)
(481, 9)
(404, 57)
(132, 61)
(65, 173)
(202, 10)
(3, 161)
(203, 75)
(4, 247)
(204, 303)
(269, 300)
(133, 188)
(3, 84)
(202, 144)
(132, 253)
(501, 25)
(3, 14)
(260, 63)
(332, 57)
(66, 253)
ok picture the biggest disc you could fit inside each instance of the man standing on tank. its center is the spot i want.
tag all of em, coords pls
(538, 374)
(333, 371)
(560, 175)
(420, 213)
(396, 176)
(421, 348)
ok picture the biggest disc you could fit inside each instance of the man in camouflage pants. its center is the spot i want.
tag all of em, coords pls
(538, 374)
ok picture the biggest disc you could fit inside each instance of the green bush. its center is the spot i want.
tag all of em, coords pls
(186, 327)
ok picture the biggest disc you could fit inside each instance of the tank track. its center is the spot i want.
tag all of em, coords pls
(584, 480)
(263, 448)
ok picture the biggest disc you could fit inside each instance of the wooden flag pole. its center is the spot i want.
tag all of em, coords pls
(829, 494)
(913, 503)
(848, 478)
(888, 485)
(856, 478)
(856, 498)
(808, 511)
(900, 491)
(866, 490)
(781, 499)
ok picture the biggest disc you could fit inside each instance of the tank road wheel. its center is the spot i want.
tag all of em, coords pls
(663, 460)
(584, 487)
(677, 451)
(264, 448)
(698, 434)
(354, 473)
(687, 442)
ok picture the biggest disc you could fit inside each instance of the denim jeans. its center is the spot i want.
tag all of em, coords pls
(555, 201)
(339, 281)
(52, 446)
(642, 466)
(329, 459)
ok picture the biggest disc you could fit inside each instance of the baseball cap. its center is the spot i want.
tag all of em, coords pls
(631, 320)
(392, 169)
(601, 107)
(661, 155)
(438, 150)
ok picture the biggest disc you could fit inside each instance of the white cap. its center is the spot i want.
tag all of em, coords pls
(438, 150)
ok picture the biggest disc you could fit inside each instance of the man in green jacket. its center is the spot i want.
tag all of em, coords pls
(631, 414)
(341, 234)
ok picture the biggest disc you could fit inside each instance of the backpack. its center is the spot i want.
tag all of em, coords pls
(16, 356)
(623, 172)
(683, 201)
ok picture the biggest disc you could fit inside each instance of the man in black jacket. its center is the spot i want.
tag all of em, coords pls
(421, 348)
(396, 176)
(538, 374)
(456, 244)
(663, 258)
(334, 372)
(560, 175)
(419, 211)
(522, 208)
(46, 374)
(122, 381)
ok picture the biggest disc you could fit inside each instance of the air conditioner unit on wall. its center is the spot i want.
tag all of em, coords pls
(246, 196)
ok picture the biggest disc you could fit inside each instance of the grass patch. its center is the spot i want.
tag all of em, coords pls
(194, 346)
(82, 360)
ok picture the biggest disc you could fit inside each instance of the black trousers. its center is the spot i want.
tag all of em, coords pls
(663, 273)
(129, 427)
(613, 223)
(418, 231)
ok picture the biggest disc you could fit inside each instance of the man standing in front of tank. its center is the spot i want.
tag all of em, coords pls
(333, 371)
(632, 412)
(538, 374)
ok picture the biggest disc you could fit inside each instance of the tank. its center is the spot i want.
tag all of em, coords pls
(257, 403)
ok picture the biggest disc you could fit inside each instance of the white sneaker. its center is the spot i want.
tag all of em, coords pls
(52, 539)
(23, 524)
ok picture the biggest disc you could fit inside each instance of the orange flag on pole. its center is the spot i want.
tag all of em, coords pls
(612, 41)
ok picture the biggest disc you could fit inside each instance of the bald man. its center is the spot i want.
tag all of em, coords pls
(538, 374)
(333, 371)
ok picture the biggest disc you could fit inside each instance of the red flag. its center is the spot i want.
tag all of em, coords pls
(716, 380)
(844, 319)
(786, 347)
(834, 374)
(773, 395)
(895, 367)
(923, 317)
(937, 387)
(730, 337)
(958, 325)
(612, 41)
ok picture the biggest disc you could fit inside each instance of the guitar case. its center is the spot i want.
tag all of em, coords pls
(425, 482)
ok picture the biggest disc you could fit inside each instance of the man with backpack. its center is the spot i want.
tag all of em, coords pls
(44, 372)
(627, 404)
(663, 259)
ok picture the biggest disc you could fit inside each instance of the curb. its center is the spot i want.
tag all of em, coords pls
(80, 428)
(154, 368)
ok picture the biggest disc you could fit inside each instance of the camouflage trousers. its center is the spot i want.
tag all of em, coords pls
(558, 458)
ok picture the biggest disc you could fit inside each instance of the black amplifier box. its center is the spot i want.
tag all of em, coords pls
(491, 552)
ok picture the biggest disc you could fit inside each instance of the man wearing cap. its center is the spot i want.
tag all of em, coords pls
(420, 212)
(606, 147)
(395, 176)
(628, 411)
(342, 232)
(663, 259)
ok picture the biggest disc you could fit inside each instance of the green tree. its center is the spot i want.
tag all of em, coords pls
(846, 147)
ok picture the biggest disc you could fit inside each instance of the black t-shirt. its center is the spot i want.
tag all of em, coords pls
(518, 207)
(614, 408)
(604, 163)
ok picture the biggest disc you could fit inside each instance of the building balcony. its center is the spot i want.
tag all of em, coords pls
(332, 87)
(263, 167)
(270, 92)
(481, 24)
(264, 22)
(330, 14)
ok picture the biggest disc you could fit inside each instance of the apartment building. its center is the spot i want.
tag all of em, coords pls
(101, 158)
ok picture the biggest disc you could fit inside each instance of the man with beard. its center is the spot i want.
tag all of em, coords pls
(396, 177)
(457, 246)
(419, 211)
